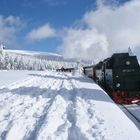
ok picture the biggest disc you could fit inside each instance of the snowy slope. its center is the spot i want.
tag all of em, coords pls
(14, 76)
(35, 54)
(30, 60)
(31, 52)
(58, 106)
(44, 55)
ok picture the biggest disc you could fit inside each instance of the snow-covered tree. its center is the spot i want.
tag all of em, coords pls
(2, 49)
(26, 62)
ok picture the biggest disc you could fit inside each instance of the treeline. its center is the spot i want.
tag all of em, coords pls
(20, 62)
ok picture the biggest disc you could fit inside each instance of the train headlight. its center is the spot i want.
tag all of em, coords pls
(127, 62)
(118, 85)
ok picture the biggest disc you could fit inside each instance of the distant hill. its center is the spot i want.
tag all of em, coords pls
(32, 60)
(35, 54)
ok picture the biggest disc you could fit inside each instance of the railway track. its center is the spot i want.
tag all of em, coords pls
(133, 113)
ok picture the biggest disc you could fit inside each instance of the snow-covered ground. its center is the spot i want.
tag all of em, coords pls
(13, 76)
(59, 106)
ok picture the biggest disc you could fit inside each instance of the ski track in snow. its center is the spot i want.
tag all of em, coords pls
(49, 106)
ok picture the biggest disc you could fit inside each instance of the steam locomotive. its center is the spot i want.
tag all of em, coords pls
(119, 76)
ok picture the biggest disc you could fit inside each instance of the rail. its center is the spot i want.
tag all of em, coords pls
(134, 116)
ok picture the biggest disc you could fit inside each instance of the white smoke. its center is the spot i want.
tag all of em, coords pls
(108, 30)
(85, 44)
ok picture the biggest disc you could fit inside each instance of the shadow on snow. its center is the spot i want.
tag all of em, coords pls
(83, 93)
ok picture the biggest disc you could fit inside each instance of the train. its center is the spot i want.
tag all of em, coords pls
(119, 76)
(62, 69)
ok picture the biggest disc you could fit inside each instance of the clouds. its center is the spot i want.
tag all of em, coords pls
(13, 35)
(42, 32)
(108, 30)
(9, 27)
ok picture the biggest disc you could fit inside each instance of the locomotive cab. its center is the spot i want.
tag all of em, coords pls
(122, 76)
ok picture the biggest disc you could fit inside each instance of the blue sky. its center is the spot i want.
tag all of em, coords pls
(35, 13)
(44, 25)
(56, 12)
